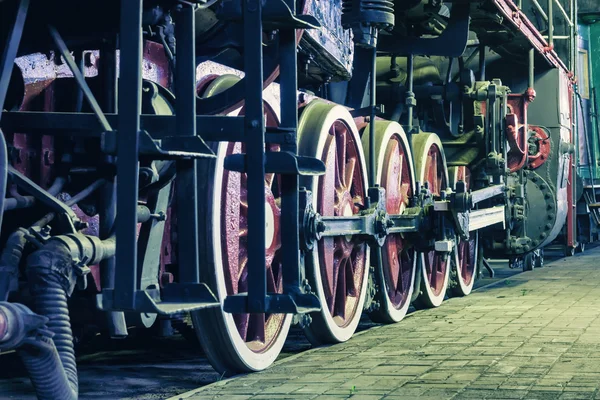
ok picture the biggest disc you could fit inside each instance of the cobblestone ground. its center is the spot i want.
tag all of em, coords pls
(533, 336)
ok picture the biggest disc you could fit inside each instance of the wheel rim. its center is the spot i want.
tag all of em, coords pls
(435, 265)
(467, 249)
(431, 170)
(239, 342)
(395, 173)
(338, 268)
(257, 330)
(398, 258)
(341, 193)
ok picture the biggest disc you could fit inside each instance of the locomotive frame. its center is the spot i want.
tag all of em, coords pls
(434, 222)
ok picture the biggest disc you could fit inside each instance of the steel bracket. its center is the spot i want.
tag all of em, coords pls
(175, 298)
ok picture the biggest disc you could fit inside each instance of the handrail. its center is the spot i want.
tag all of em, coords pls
(549, 16)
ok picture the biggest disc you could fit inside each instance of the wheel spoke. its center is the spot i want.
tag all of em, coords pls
(341, 150)
(269, 180)
(340, 293)
(349, 174)
(241, 323)
(256, 328)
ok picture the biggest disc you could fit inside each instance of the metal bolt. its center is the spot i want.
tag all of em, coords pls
(321, 227)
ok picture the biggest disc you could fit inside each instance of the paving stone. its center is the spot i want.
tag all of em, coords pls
(532, 337)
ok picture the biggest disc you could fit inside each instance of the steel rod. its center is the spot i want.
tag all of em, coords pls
(10, 51)
(410, 81)
(540, 9)
(551, 23)
(564, 13)
(78, 75)
(373, 99)
(531, 81)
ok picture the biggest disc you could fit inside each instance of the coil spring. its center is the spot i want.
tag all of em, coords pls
(367, 12)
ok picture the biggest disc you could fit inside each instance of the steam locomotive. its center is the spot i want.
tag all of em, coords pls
(235, 167)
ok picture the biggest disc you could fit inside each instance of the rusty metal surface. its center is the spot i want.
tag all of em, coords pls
(330, 46)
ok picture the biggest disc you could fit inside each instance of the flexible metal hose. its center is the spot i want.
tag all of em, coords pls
(50, 281)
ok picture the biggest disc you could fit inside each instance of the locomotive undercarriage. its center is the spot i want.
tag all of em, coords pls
(186, 187)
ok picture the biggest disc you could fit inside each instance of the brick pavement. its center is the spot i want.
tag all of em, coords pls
(533, 336)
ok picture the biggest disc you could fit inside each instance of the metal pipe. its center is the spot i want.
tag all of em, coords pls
(531, 68)
(560, 7)
(540, 9)
(551, 24)
(410, 81)
(482, 63)
(372, 161)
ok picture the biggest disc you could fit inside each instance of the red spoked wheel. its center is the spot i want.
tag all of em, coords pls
(395, 173)
(337, 269)
(464, 269)
(237, 343)
(430, 167)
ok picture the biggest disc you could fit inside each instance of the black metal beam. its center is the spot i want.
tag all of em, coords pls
(255, 159)
(186, 183)
(211, 128)
(130, 108)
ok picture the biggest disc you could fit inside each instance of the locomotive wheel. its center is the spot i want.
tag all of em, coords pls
(338, 267)
(528, 262)
(464, 266)
(539, 258)
(395, 173)
(236, 343)
(430, 167)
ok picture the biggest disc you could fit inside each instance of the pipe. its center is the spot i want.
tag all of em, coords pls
(551, 24)
(50, 283)
(9, 262)
(372, 100)
(410, 94)
(482, 63)
(52, 274)
(14, 203)
(531, 68)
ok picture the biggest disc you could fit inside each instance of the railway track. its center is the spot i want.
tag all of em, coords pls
(155, 368)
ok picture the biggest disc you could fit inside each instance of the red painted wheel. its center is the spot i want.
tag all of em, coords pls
(395, 173)
(337, 269)
(465, 263)
(430, 167)
(237, 342)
